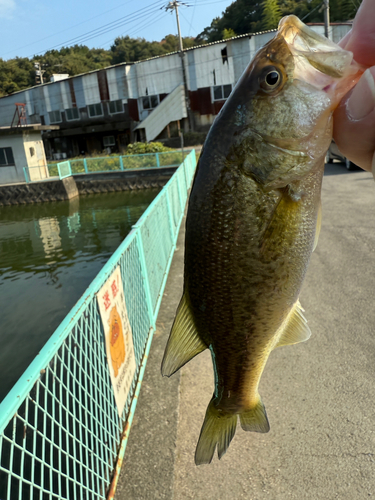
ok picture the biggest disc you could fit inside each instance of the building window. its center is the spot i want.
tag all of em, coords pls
(109, 140)
(150, 101)
(116, 107)
(54, 116)
(6, 157)
(95, 110)
(32, 151)
(72, 114)
(222, 92)
(224, 55)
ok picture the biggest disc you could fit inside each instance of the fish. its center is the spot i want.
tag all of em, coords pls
(253, 221)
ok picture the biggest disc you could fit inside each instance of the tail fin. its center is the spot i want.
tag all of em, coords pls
(217, 430)
(255, 420)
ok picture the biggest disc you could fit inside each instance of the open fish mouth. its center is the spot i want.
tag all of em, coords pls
(319, 61)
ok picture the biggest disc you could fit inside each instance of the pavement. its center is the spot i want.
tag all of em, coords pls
(319, 395)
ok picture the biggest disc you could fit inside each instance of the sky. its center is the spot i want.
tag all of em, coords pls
(31, 28)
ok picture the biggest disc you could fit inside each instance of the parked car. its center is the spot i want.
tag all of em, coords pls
(334, 153)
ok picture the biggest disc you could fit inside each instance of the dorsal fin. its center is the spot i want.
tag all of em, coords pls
(295, 328)
(183, 343)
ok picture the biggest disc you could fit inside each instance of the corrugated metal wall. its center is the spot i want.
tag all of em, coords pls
(158, 76)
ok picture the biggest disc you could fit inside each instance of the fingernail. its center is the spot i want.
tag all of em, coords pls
(362, 100)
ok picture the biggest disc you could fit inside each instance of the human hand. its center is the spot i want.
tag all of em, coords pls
(354, 119)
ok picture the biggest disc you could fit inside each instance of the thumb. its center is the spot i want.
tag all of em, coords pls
(354, 122)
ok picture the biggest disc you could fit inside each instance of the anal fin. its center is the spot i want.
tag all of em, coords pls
(255, 420)
(295, 328)
(184, 342)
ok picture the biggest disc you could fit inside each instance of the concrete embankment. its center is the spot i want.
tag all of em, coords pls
(70, 187)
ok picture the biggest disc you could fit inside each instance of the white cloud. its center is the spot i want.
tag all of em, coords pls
(7, 8)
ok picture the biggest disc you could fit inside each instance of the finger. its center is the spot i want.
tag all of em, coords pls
(361, 39)
(354, 122)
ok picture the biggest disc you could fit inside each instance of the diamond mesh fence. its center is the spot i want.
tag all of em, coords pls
(61, 436)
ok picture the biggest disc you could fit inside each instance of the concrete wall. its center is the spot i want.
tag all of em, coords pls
(37, 192)
(71, 187)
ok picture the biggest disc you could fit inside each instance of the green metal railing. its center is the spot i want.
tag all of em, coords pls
(109, 164)
(64, 169)
(120, 163)
(36, 174)
(61, 436)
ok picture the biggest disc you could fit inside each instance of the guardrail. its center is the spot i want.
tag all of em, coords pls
(106, 164)
(120, 163)
(61, 436)
(36, 174)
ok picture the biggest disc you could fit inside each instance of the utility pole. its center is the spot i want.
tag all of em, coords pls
(173, 5)
(326, 18)
(39, 73)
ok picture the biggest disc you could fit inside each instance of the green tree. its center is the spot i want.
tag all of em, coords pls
(126, 49)
(349, 8)
(242, 16)
(271, 14)
(228, 33)
(171, 44)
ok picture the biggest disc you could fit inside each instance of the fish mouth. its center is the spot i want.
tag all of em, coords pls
(319, 61)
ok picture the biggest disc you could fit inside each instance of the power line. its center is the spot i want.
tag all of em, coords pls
(189, 23)
(192, 16)
(106, 27)
(67, 29)
(138, 26)
(313, 10)
(109, 27)
(210, 3)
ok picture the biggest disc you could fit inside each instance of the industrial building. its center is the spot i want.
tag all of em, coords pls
(108, 108)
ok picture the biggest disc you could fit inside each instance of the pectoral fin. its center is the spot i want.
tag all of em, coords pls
(286, 214)
(295, 328)
(184, 342)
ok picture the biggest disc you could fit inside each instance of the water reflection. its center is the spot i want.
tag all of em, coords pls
(49, 255)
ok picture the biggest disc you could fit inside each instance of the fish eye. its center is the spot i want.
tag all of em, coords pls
(272, 79)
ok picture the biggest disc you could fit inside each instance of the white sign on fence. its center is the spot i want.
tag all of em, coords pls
(118, 337)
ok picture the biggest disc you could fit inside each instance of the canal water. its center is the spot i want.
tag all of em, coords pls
(49, 254)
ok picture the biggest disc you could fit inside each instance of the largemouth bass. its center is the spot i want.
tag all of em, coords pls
(253, 221)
